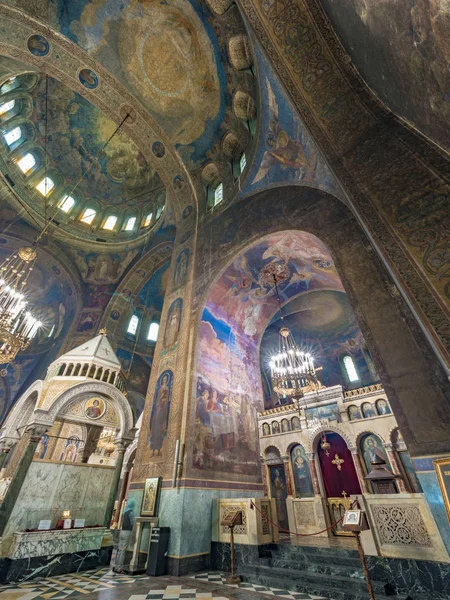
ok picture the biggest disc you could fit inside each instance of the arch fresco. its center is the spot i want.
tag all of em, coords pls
(228, 381)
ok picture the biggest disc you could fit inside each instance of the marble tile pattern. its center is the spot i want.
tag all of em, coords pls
(103, 583)
(50, 543)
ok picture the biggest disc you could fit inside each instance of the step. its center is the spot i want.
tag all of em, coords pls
(293, 550)
(314, 559)
(335, 587)
(324, 591)
(347, 567)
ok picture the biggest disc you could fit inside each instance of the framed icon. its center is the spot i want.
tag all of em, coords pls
(150, 498)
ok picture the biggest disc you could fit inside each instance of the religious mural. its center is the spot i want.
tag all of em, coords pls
(181, 266)
(168, 58)
(289, 152)
(371, 449)
(302, 474)
(159, 419)
(77, 134)
(173, 323)
(102, 268)
(70, 452)
(95, 408)
(237, 310)
(278, 491)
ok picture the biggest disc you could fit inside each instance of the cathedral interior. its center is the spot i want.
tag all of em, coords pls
(224, 299)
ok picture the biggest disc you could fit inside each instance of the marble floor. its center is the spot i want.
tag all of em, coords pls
(103, 584)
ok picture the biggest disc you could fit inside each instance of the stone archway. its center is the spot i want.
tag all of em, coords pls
(411, 369)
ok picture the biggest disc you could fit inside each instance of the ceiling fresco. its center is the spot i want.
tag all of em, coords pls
(402, 50)
(165, 53)
(77, 131)
(286, 152)
(323, 323)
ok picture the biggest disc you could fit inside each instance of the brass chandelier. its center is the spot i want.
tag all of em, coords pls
(17, 325)
(292, 370)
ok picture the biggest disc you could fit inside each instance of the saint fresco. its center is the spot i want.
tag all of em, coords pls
(159, 419)
(301, 471)
(173, 325)
(372, 448)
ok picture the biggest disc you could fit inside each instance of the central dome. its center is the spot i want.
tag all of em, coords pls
(87, 174)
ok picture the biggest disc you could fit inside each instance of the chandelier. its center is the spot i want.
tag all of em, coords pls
(17, 325)
(292, 370)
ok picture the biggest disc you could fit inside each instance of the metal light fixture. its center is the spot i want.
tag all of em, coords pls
(17, 325)
(292, 370)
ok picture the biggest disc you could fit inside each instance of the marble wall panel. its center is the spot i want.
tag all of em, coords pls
(50, 488)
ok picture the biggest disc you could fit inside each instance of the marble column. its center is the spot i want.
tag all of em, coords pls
(123, 487)
(315, 479)
(34, 432)
(265, 474)
(121, 446)
(5, 450)
(360, 471)
(395, 468)
(288, 475)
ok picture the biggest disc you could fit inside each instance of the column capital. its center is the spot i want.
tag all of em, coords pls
(388, 446)
(122, 444)
(310, 455)
(37, 430)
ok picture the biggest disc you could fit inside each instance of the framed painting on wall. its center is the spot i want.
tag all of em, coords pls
(442, 466)
(150, 498)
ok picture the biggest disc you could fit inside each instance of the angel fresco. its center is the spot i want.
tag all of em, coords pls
(282, 150)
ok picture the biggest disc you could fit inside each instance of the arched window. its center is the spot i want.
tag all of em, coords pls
(13, 135)
(45, 186)
(350, 369)
(67, 204)
(218, 194)
(110, 223)
(153, 332)
(7, 106)
(133, 325)
(148, 219)
(88, 216)
(131, 222)
(242, 162)
(26, 163)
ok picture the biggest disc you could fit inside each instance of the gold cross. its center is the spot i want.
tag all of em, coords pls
(344, 493)
(338, 462)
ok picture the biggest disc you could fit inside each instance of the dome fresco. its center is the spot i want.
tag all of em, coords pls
(167, 54)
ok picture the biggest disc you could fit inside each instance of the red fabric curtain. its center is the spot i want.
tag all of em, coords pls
(337, 480)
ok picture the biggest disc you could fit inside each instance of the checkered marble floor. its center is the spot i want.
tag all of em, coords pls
(62, 586)
(220, 578)
(112, 586)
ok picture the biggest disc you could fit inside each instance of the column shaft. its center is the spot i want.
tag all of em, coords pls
(114, 485)
(17, 481)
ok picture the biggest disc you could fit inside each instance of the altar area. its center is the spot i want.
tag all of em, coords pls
(62, 454)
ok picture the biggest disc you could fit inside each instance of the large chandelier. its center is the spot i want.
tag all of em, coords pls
(292, 370)
(17, 325)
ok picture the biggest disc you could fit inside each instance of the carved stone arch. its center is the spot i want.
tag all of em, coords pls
(292, 446)
(98, 388)
(368, 432)
(272, 453)
(22, 410)
(129, 452)
(311, 446)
